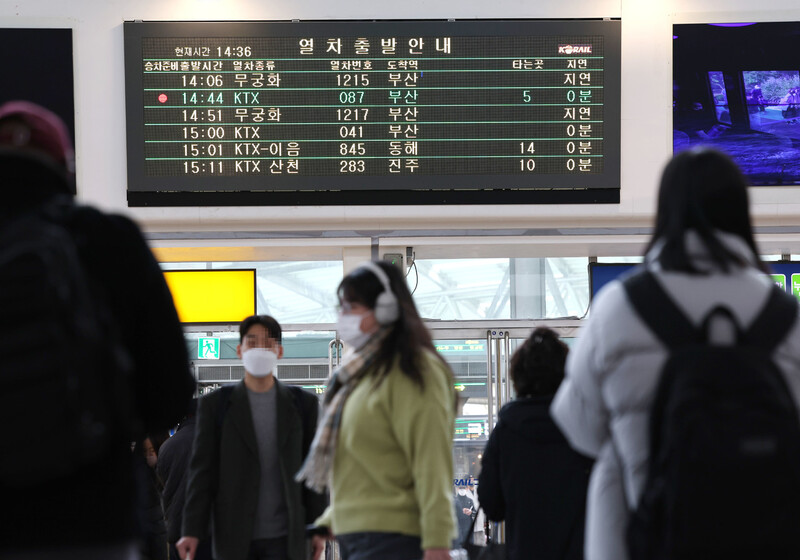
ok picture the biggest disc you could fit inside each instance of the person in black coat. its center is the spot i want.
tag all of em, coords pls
(153, 545)
(92, 512)
(247, 506)
(530, 476)
(173, 470)
(465, 512)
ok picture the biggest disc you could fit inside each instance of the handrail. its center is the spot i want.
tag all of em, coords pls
(489, 362)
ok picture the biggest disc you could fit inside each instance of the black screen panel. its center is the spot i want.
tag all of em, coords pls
(372, 112)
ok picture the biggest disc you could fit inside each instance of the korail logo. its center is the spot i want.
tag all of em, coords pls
(465, 482)
(574, 49)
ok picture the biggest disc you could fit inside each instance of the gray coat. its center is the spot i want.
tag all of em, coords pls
(611, 374)
(224, 471)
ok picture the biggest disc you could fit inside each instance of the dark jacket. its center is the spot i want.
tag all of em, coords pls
(173, 470)
(224, 470)
(153, 545)
(464, 521)
(532, 479)
(97, 505)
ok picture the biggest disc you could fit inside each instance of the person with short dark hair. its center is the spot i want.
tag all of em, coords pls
(88, 513)
(464, 508)
(385, 441)
(530, 476)
(250, 439)
(704, 258)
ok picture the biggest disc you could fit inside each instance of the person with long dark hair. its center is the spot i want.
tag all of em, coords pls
(384, 445)
(703, 259)
(530, 476)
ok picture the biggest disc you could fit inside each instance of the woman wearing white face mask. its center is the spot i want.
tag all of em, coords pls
(384, 445)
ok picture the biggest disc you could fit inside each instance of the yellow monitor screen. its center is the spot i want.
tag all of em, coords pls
(213, 296)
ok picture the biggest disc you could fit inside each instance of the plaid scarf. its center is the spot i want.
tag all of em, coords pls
(318, 465)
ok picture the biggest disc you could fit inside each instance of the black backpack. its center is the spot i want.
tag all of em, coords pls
(724, 469)
(64, 376)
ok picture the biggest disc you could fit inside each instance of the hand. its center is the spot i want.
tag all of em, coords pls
(187, 546)
(437, 554)
(466, 511)
(318, 545)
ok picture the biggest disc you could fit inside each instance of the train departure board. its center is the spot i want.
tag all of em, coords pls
(372, 112)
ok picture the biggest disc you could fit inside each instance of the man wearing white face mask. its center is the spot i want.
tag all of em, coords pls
(249, 441)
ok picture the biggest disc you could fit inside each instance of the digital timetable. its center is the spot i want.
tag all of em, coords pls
(372, 112)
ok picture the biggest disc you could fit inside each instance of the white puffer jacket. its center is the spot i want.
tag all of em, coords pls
(612, 372)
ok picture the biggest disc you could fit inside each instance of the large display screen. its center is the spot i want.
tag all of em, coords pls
(372, 112)
(737, 88)
(213, 296)
(40, 70)
(784, 273)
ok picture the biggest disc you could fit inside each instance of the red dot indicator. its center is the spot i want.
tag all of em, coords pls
(162, 98)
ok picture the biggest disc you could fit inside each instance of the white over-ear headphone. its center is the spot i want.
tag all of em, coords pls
(387, 309)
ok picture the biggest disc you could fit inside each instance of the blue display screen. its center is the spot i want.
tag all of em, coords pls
(784, 273)
(787, 275)
(601, 274)
(739, 98)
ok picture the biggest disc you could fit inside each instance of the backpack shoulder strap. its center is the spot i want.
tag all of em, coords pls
(774, 321)
(656, 308)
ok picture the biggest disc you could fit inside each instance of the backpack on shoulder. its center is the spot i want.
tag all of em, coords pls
(724, 472)
(63, 373)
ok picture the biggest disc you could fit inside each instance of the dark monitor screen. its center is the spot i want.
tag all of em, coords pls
(38, 68)
(373, 112)
(736, 87)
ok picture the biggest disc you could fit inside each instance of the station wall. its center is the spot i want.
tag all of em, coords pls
(646, 127)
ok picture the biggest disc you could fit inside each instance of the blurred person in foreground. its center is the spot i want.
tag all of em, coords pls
(384, 444)
(703, 271)
(77, 396)
(530, 476)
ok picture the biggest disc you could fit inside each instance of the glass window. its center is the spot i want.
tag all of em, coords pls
(444, 289)
(516, 288)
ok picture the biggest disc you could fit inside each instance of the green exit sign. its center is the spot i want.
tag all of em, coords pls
(780, 280)
(208, 348)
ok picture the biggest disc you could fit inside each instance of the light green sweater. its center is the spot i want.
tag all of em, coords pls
(393, 469)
